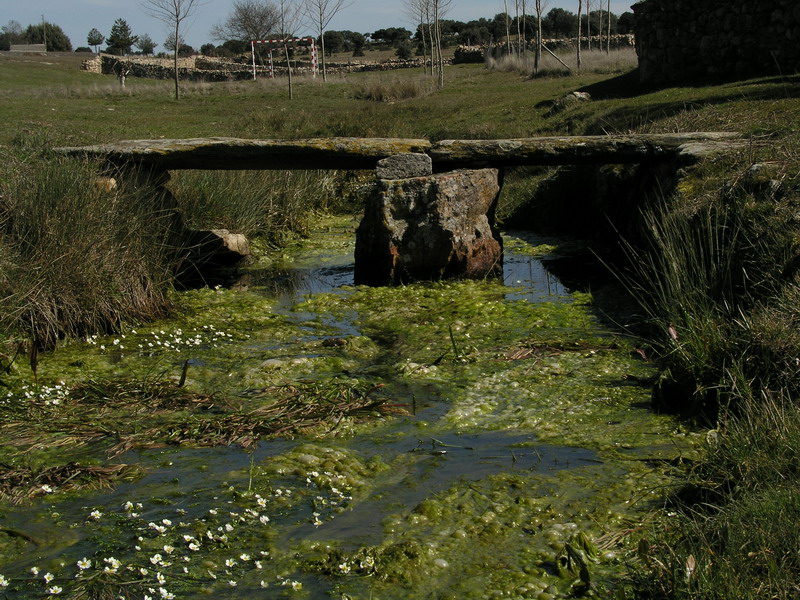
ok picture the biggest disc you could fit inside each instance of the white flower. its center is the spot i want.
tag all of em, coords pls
(194, 547)
(262, 502)
(4, 582)
(257, 564)
(244, 557)
(168, 549)
(165, 594)
(56, 589)
(229, 562)
(95, 514)
(368, 562)
(264, 584)
(344, 568)
(228, 527)
(166, 522)
(160, 578)
(143, 572)
(46, 489)
(264, 519)
(296, 585)
(155, 559)
(48, 577)
(231, 583)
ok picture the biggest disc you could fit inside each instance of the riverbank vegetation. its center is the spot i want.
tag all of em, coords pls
(715, 270)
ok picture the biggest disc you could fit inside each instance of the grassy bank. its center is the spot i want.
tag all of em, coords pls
(717, 278)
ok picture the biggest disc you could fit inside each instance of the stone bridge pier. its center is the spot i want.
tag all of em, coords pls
(418, 225)
(431, 212)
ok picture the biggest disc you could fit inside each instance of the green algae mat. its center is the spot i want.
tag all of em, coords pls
(298, 437)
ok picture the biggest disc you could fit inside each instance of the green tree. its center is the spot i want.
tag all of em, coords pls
(333, 42)
(57, 40)
(626, 22)
(11, 33)
(559, 23)
(95, 38)
(145, 44)
(404, 51)
(121, 38)
(357, 42)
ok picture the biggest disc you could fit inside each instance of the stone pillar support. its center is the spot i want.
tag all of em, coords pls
(429, 228)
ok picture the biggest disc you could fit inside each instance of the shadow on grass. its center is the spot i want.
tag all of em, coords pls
(653, 104)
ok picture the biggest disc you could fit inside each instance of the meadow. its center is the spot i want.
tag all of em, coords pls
(717, 282)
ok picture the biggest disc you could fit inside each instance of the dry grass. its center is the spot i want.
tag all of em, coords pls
(393, 89)
(617, 61)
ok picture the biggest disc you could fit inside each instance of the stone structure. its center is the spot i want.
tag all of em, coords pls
(424, 220)
(691, 39)
(430, 228)
(211, 69)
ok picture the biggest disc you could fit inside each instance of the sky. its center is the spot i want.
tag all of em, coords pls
(77, 17)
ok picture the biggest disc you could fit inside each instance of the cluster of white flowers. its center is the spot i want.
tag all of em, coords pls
(48, 395)
(164, 341)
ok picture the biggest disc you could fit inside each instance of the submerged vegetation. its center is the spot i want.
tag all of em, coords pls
(713, 266)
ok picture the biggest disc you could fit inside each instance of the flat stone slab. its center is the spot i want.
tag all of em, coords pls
(245, 154)
(365, 153)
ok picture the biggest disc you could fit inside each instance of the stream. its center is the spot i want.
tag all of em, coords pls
(513, 455)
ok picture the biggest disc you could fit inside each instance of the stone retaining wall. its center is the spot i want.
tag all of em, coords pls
(691, 39)
(202, 68)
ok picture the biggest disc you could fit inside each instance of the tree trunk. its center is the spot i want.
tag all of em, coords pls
(580, 9)
(425, 50)
(538, 55)
(175, 62)
(322, 44)
(608, 36)
(288, 69)
(588, 27)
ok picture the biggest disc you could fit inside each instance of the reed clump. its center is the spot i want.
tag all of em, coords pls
(75, 258)
(719, 284)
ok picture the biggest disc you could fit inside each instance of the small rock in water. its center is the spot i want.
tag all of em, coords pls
(441, 563)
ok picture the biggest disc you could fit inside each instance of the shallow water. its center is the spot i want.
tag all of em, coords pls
(525, 432)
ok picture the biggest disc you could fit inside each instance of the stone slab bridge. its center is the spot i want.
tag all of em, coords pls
(431, 212)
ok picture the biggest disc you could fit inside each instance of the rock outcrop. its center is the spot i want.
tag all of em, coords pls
(430, 228)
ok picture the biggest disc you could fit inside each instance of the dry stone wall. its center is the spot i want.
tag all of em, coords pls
(691, 39)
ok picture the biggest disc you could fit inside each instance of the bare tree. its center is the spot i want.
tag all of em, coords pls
(588, 25)
(539, 7)
(249, 20)
(419, 13)
(320, 12)
(508, 26)
(608, 36)
(289, 14)
(173, 13)
(439, 9)
(580, 11)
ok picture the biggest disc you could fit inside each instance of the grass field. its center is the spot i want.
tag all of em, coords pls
(720, 284)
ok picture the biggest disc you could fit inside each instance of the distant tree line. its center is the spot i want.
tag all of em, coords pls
(257, 19)
(56, 39)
